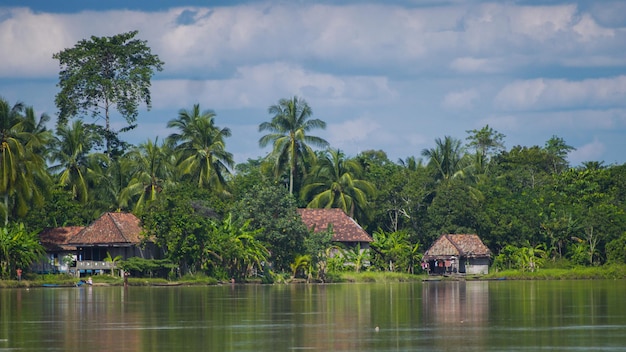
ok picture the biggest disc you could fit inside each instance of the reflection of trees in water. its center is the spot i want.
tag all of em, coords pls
(455, 302)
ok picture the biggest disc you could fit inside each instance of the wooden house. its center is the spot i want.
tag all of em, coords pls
(457, 254)
(112, 234)
(60, 255)
(345, 230)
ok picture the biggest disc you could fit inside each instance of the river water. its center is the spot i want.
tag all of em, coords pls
(428, 316)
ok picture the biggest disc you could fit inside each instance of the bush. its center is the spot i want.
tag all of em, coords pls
(140, 267)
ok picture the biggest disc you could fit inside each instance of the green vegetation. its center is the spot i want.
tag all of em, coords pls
(576, 273)
(102, 74)
(211, 218)
(376, 277)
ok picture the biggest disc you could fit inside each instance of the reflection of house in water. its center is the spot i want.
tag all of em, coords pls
(455, 301)
(453, 308)
(462, 254)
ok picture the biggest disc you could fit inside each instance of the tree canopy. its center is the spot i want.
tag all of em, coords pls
(106, 73)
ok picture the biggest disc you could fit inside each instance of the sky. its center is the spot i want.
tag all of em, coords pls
(383, 75)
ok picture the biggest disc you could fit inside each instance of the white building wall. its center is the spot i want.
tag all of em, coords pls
(477, 266)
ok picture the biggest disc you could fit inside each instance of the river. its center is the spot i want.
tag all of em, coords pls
(430, 316)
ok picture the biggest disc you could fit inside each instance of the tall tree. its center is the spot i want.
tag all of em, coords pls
(336, 183)
(23, 179)
(202, 147)
(72, 159)
(448, 158)
(288, 133)
(273, 211)
(151, 167)
(104, 73)
(486, 141)
(557, 150)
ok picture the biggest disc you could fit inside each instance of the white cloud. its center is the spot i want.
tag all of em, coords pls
(352, 133)
(28, 42)
(588, 29)
(540, 93)
(461, 100)
(472, 64)
(258, 86)
(587, 152)
(383, 76)
(484, 38)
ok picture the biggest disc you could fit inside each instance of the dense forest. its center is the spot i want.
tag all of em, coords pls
(208, 214)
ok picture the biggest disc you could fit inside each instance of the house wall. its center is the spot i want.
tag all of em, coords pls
(477, 266)
(52, 262)
(98, 253)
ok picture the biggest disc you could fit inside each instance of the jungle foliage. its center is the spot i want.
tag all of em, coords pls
(209, 215)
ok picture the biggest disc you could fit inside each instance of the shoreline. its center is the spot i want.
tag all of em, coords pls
(607, 272)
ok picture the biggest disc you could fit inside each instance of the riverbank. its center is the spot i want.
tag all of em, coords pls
(612, 272)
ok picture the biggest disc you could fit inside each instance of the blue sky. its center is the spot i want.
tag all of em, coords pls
(383, 75)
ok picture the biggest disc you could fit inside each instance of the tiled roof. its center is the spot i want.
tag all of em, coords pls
(110, 228)
(345, 229)
(55, 239)
(458, 245)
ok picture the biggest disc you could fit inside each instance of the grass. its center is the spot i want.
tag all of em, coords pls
(373, 276)
(613, 271)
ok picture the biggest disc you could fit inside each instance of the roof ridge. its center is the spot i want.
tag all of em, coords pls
(117, 226)
(461, 252)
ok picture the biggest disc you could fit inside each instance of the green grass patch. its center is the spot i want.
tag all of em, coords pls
(613, 271)
(373, 276)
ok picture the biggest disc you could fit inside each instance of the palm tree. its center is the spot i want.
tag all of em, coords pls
(152, 166)
(288, 133)
(447, 158)
(40, 136)
(411, 163)
(113, 261)
(201, 146)
(75, 165)
(22, 170)
(335, 183)
(301, 262)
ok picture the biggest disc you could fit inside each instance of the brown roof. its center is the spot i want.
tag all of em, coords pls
(55, 239)
(345, 229)
(457, 245)
(110, 228)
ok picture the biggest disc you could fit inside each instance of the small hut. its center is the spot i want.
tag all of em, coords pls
(457, 254)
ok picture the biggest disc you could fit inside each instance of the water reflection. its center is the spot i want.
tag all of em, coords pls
(434, 316)
(456, 302)
(455, 308)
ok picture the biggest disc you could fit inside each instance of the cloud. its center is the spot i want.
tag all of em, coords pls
(399, 74)
(352, 134)
(588, 29)
(590, 151)
(259, 86)
(206, 41)
(28, 42)
(472, 64)
(541, 93)
(462, 100)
